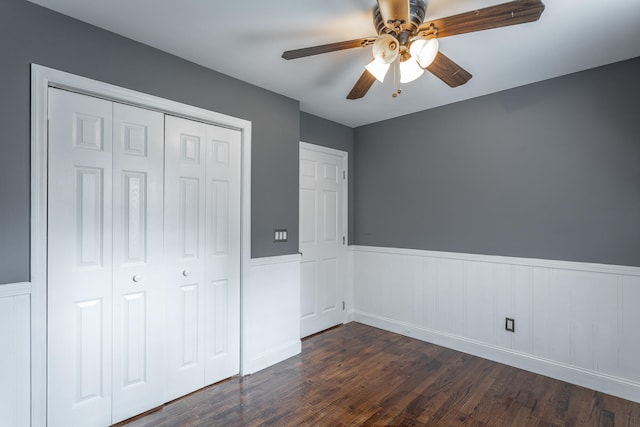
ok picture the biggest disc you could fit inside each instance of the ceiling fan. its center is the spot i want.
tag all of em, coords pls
(404, 36)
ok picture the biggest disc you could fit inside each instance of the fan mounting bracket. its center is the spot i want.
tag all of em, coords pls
(369, 41)
(396, 25)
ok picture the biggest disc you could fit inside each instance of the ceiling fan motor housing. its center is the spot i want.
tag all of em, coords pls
(417, 13)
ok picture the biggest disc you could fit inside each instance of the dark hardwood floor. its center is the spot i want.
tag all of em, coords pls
(359, 375)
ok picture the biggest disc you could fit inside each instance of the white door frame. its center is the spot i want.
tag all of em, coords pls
(41, 79)
(345, 211)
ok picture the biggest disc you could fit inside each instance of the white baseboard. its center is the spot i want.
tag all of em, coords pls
(594, 380)
(349, 317)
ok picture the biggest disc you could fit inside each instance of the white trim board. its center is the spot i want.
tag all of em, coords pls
(15, 289)
(41, 79)
(278, 259)
(497, 259)
(575, 322)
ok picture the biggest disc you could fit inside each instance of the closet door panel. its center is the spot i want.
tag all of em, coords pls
(222, 291)
(138, 280)
(143, 258)
(185, 186)
(79, 250)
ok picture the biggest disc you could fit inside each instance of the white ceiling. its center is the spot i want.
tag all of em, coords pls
(245, 38)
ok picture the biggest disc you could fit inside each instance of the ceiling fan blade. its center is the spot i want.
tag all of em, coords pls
(501, 15)
(394, 12)
(448, 71)
(326, 48)
(362, 86)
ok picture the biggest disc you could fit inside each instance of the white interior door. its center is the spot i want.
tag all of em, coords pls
(138, 279)
(322, 237)
(79, 260)
(202, 252)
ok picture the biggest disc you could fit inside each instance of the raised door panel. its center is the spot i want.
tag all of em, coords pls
(184, 243)
(308, 216)
(79, 260)
(138, 282)
(331, 280)
(222, 254)
(189, 343)
(308, 277)
(331, 217)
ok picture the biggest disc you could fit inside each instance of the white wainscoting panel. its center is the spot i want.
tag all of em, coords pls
(15, 381)
(271, 312)
(577, 322)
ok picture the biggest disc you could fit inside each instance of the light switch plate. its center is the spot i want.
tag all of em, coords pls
(280, 235)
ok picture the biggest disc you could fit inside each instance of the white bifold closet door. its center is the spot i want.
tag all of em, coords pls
(106, 286)
(79, 260)
(202, 252)
(138, 276)
(143, 281)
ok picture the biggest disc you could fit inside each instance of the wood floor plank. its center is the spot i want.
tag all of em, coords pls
(358, 375)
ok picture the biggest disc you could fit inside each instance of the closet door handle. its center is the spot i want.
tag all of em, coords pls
(186, 272)
(136, 278)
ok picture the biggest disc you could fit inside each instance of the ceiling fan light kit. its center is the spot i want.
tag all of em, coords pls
(424, 51)
(404, 37)
(385, 52)
(410, 70)
(378, 69)
(386, 49)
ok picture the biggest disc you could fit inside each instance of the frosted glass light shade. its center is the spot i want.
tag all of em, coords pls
(410, 70)
(424, 51)
(386, 48)
(378, 69)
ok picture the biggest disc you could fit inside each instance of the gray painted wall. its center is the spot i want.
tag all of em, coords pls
(550, 170)
(319, 131)
(31, 34)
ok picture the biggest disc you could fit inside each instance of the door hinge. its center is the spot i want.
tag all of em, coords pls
(344, 240)
(343, 305)
(344, 174)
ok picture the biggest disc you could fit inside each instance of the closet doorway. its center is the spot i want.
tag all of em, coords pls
(123, 195)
